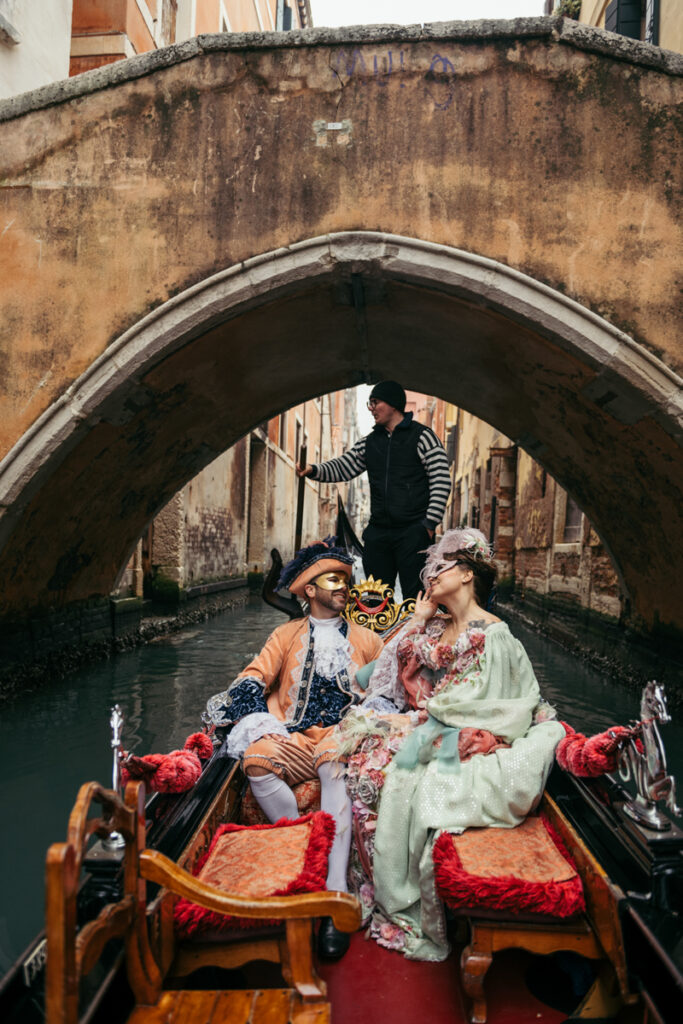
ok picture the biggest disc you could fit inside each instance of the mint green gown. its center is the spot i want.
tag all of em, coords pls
(427, 789)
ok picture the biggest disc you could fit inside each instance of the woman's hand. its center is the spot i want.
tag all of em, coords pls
(425, 608)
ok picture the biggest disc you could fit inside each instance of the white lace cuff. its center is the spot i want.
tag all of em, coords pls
(251, 728)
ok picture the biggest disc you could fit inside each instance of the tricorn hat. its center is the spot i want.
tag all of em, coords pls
(309, 562)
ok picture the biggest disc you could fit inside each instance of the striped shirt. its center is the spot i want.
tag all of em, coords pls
(431, 453)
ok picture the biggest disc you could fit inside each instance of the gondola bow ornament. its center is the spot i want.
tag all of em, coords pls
(636, 752)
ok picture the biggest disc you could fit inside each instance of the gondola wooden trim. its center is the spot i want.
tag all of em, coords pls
(111, 923)
(70, 955)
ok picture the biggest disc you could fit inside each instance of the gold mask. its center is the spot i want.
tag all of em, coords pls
(332, 581)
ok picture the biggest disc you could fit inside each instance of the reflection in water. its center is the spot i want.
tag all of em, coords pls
(54, 739)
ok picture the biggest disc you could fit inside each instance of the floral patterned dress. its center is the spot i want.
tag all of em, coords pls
(424, 667)
(419, 673)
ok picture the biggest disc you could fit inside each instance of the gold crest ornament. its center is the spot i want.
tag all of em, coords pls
(371, 604)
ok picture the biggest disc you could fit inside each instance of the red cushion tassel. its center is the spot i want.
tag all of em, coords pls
(170, 773)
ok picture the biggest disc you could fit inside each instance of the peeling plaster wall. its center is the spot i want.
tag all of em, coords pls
(551, 159)
(543, 147)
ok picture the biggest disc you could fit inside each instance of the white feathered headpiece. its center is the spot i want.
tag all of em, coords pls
(444, 554)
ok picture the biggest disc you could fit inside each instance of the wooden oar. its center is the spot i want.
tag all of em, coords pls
(300, 501)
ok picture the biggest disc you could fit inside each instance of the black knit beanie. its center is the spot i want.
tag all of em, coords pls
(390, 392)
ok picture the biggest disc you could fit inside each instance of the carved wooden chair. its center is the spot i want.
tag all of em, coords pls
(73, 953)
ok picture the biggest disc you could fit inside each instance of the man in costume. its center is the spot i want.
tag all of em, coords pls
(409, 486)
(287, 701)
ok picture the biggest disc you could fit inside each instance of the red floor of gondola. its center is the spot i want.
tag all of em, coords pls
(372, 985)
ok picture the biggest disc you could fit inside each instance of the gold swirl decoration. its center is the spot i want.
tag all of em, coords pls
(371, 604)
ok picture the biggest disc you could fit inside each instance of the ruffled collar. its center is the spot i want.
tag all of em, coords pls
(331, 647)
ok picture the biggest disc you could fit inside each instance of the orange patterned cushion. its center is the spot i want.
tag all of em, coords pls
(524, 869)
(259, 861)
(307, 801)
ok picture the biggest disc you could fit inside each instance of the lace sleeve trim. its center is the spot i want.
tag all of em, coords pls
(252, 728)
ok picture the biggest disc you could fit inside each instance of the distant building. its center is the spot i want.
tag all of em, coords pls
(546, 548)
(653, 21)
(226, 520)
(48, 41)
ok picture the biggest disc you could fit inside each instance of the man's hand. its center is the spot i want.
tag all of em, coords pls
(304, 470)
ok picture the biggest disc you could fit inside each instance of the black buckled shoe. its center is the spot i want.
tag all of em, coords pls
(332, 944)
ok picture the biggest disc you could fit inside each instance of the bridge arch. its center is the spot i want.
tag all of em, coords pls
(210, 363)
(486, 211)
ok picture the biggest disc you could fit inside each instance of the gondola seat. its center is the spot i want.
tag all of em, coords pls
(536, 887)
(72, 953)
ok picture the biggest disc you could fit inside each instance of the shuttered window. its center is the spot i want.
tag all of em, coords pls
(624, 17)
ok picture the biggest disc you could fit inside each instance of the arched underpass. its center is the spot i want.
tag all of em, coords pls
(176, 391)
(194, 278)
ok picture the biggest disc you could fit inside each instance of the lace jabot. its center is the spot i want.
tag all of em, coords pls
(332, 650)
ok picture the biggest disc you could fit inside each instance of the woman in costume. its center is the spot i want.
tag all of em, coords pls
(473, 747)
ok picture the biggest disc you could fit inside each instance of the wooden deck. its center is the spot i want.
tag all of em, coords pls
(250, 1006)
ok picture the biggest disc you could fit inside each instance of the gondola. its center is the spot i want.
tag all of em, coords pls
(632, 872)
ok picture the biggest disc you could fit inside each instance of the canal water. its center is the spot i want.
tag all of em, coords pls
(55, 738)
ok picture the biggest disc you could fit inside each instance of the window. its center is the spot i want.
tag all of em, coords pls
(623, 16)
(282, 434)
(652, 22)
(283, 17)
(573, 522)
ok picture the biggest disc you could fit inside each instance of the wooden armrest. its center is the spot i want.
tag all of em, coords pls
(342, 908)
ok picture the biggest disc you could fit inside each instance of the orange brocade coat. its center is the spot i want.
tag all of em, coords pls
(281, 663)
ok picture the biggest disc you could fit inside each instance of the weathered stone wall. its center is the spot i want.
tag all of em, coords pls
(215, 518)
(544, 148)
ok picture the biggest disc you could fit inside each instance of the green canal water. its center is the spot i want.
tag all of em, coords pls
(55, 738)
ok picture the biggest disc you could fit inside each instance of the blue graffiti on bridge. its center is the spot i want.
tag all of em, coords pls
(439, 77)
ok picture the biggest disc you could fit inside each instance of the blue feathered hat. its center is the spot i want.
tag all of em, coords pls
(323, 556)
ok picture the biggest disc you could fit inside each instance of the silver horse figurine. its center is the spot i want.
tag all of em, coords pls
(648, 766)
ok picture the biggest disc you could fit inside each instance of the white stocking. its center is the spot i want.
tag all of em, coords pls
(273, 796)
(334, 799)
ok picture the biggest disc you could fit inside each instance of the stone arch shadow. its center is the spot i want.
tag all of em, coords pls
(597, 410)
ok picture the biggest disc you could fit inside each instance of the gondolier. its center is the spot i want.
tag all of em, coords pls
(288, 700)
(410, 482)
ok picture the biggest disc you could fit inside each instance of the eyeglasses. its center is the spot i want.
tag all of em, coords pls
(373, 402)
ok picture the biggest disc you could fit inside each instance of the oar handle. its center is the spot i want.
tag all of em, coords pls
(300, 500)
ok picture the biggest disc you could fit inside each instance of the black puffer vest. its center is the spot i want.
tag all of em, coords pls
(399, 488)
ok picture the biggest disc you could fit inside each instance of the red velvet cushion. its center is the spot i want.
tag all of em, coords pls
(256, 861)
(526, 870)
(307, 801)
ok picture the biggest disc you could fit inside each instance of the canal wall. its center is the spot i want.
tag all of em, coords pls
(629, 657)
(53, 643)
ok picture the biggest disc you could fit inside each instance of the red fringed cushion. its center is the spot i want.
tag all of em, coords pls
(593, 756)
(255, 861)
(307, 801)
(526, 869)
(170, 773)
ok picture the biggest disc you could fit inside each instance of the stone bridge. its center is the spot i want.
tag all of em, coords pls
(193, 240)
